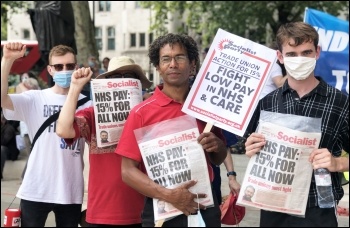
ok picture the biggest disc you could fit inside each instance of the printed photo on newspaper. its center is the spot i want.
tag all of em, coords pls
(278, 178)
(172, 156)
(113, 99)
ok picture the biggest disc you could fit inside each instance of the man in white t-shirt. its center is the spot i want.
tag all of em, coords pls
(275, 80)
(54, 177)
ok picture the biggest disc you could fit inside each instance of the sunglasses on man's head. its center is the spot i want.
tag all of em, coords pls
(59, 67)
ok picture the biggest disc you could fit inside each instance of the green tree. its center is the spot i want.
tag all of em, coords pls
(12, 7)
(84, 31)
(251, 20)
(3, 30)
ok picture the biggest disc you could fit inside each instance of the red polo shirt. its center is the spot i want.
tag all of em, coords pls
(157, 108)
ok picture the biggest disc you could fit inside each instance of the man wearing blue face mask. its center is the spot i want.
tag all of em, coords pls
(305, 94)
(54, 177)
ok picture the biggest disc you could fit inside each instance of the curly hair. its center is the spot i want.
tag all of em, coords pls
(184, 40)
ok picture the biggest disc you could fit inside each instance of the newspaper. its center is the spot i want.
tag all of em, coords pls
(113, 99)
(278, 178)
(172, 157)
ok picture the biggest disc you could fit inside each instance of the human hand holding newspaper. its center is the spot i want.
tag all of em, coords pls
(254, 144)
(183, 199)
(174, 159)
(278, 177)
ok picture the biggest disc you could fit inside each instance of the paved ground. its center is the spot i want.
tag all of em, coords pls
(13, 170)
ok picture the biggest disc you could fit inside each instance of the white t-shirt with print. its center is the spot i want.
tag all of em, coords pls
(270, 86)
(54, 171)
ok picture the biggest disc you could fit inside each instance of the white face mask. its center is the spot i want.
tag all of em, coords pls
(196, 220)
(299, 67)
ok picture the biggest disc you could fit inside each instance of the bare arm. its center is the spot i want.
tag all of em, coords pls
(64, 128)
(232, 182)
(180, 197)
(279, 80)
(11, 52)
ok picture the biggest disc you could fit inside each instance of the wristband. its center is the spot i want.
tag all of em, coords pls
(233, 173)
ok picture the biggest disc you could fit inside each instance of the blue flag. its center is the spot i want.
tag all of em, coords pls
(333, 64)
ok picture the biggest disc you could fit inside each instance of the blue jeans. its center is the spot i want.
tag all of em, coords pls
(34, 214)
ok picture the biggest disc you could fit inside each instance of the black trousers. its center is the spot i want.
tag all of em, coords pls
(211, 216)
(314, 217)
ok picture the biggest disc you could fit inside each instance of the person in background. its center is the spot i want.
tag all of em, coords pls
(9, 149)
(276, 77)
(105, 63)
(95, 66)
(110, 201)
(174, 56)
(305, 94)
(28, 82)
(54, 177)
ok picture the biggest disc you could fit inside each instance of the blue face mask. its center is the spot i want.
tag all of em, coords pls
(63, 78)
(91, 64)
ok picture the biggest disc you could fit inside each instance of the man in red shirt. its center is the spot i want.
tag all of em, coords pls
(174, 57)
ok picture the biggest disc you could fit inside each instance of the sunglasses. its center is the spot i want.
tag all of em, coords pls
(69, 66)
(125, 75)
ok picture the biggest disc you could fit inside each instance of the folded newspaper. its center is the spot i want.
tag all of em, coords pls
(172, 156)
(278, 177)
(113, 99)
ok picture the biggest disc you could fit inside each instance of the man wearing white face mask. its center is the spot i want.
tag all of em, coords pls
(308, 95)
(54, 177)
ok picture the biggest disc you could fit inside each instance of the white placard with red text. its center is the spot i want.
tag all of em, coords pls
(227, 87)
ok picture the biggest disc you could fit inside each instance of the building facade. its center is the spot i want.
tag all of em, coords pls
(121, 28)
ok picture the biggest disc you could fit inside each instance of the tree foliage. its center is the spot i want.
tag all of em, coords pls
(247, 19)
(13, 6)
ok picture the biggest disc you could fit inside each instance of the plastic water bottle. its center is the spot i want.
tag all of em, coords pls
(324, 188)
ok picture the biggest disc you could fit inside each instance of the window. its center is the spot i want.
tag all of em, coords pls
(133, 40)
(98, 38)
(110, 38)
(142, 39)
(25, 34)
(104, 6)
(150, 38)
